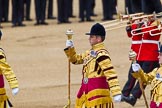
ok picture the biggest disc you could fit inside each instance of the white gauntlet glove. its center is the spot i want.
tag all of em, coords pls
(69, 43)
(117, 98)
(136, 67)
(15, 91)
(132, 54)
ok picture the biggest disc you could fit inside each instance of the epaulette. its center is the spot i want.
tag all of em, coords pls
(102, 51)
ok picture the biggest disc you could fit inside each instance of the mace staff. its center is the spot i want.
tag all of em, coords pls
(139, 80)
(69, 34)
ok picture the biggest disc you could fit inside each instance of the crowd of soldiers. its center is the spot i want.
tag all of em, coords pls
(21, 11)
(44, 10)
(146, 6)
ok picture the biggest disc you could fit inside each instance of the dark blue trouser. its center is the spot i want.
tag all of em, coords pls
(70, 8)
(27, 9)
(0, 11)
(107, 9)
(17, 11)
(50, 8)
(85, 9)
(136, 6)
(62, 6)
(5, 9)
(40, 9)
(149, 6)
(129, 6)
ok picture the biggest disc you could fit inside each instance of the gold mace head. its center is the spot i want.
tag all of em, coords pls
(69, 34)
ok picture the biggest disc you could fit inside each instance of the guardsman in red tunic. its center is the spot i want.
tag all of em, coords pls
(136, 38)
(153, 78)
(7, 72)
(100, 80)
(147, 59)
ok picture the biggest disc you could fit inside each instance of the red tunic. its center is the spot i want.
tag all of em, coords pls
(150, 45)
(136, 39)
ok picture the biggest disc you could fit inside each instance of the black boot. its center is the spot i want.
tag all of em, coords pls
(123, 98)
(131, 100)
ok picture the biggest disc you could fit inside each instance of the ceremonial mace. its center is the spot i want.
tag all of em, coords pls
(69, 34)
(140, 82)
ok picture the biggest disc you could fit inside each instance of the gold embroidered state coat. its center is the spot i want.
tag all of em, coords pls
(7, 72)
(153, 78)
(99, 76)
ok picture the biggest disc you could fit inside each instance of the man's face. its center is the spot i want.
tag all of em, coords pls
(160, 58)
(93, 39)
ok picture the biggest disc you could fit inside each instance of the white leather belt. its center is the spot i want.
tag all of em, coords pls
(150, 41)
(136, 42)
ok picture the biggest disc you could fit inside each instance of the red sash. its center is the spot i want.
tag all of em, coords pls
(1, 81)
(93, 83)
